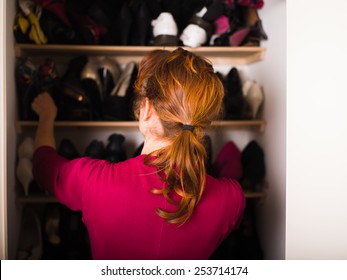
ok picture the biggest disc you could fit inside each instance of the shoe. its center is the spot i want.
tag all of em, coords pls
(120, 29)
(109, 72)
(119, 105)
(95, 149)
(114, 149)
(233, 99)
(141, 26)
(68, 150)
(255, 25)
(24, 173)
(88, 31)
(197, 32)
(228, 162)
(91, 83)
(253, 165)
(48, 76)
(200, 28)
(30, 245)
(254, 96)
(52, 223)
(26, 148)
(32, 11)
(73, 101)
(26, 76)
(165, 30)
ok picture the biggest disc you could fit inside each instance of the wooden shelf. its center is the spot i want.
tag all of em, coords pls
(217, 55)
(42, 198)
(257, 124)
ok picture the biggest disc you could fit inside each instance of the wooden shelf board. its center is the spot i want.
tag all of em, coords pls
(41, 198)
(133, 124)
(236, 55)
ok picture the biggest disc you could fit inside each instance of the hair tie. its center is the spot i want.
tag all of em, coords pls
(188, 127)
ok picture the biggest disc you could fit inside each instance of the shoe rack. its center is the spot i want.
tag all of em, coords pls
(244, 55)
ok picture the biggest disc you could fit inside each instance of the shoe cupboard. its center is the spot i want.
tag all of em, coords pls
(87, 59)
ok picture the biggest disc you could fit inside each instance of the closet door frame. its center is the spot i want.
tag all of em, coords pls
(3, 154)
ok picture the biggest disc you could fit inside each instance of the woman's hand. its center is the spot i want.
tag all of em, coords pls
(43, 105)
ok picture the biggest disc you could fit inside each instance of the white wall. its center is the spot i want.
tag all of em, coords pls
(271, 74)
(3, 204)
(317, 130)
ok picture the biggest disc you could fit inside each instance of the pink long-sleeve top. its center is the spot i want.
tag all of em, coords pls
(118, 207)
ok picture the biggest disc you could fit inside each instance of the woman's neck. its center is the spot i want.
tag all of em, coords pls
(152, 144)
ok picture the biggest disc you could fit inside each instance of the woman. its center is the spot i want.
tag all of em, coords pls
(161, 204)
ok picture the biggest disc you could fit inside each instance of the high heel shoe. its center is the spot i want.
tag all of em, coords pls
(109, 72)
(118, 106)
(30, 237)
(24, 173)
(254, 97)
(26, 148)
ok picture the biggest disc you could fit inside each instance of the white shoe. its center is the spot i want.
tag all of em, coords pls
(26, 148)
(24, 173)
(255, 98)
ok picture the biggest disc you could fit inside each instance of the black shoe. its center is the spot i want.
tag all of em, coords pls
(68, 150)
(73, 101)
(114, 149)
(253, 165)
(95, 149)
(233, 99)
(26, 74)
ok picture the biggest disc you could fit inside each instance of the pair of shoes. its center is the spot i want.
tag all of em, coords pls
(30, 237)
(99, 77)
(27, 22)
(113, 152)
(24, 166)
(119, 104)
(254, 96)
